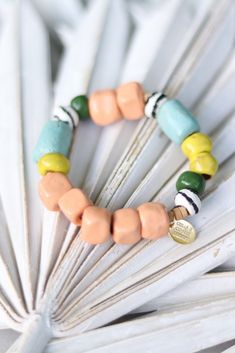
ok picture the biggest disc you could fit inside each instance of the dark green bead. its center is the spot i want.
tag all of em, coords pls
(192, 181)
(80, 104)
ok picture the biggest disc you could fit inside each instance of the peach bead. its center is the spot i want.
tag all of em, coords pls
(73, 203)
(126, 226)
(130, 98)
(51, 188)
(103, 107)
(96, 223)
(154, 220)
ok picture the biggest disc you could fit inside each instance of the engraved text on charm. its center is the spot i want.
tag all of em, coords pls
(182, 232)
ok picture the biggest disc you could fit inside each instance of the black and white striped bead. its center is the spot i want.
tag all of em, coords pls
(153, 103)
(189, 200)
(66, 114)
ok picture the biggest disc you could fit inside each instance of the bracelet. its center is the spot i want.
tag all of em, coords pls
(150, 220)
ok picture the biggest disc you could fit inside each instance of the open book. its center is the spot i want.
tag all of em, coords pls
(58, 293)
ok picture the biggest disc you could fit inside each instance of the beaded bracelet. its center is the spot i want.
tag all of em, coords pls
(150, 220)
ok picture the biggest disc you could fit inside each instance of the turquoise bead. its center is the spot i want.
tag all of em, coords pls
(56, 137)
(176, 121)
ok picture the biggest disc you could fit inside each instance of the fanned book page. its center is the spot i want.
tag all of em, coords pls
(58, 293)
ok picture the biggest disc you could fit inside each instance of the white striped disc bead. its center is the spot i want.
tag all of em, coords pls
(189, 200)
(67, 115)
(153, 103)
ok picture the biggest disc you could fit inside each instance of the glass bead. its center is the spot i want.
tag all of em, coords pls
(53, 162)
(130, 99)
(176, 121)
(103, 107)
(80, 105)
(189, 200)
(204, 163)
(195, 144)
(192, 181)
(56, 137)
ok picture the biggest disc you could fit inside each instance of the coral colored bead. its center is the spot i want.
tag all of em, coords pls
(204, 163)
(56, 137)
(73, 203)
(53, 162)
(154, 220)
(80, 105)
(192, 181)
(130, 98)
(195, 144)
(176, 121)
(96, 225)
(103, 107)
(126, 226)
(51, 188)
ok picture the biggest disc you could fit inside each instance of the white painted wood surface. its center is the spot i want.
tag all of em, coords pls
(188, 329)
(51, 283)
(211, 285)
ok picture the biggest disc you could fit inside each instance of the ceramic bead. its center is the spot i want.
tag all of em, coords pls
(51, 188)
(103, 107)
(188, 200)
(204, 163)
(73, 203)
(192, 181)
(195, 144)
(130, 98)
(96, 225)
(154, 220)
(153, 103)
(126, 226)
(53, 162)
(67, 115)
(176, 121)
(80, 105)
(56, 137)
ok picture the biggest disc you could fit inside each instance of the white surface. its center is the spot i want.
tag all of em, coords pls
(74, 287)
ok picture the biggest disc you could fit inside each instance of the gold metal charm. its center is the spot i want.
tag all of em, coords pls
(182, 232)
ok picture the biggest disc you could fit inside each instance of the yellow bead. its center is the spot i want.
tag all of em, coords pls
(195, 144)
(53, 162)
(204, 163)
